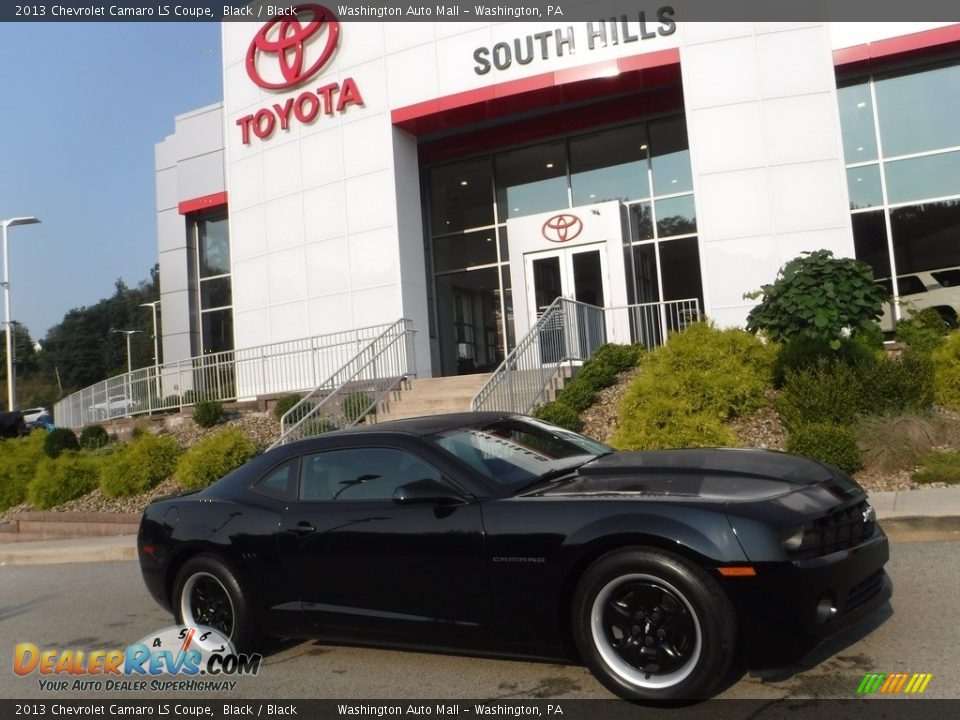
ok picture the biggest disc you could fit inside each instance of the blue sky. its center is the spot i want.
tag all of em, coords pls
(83, 105)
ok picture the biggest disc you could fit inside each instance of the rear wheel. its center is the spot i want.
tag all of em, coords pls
(208, 592)
(652, 626)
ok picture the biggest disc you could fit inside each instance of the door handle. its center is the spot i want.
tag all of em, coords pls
(303, 528)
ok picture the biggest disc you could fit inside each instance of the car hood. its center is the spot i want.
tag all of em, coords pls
(711, 473)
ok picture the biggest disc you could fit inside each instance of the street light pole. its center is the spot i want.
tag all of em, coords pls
(128, 333)
(156, 347)
(11, 382)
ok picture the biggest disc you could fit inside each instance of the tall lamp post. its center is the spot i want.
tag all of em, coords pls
(128, 333)
(11, 383)
(156, 348)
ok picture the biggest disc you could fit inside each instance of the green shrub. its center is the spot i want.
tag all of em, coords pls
(618, 358)
(946, 370)
(208, 413)
(286, 403)
(802, 352)
(56, 481)
(58, 440)
(213, 457)
(559, 414)
(577, 396)
(18, 463)
(318, 426)
(818, 296)
(939, 467)
(897, 442)
(354, 406)
(898, 384)
(93, 437)
(136, 468)
(686, 388)
(923, 330)
(831, 444)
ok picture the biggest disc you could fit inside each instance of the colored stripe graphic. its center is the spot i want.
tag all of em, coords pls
(894, 683)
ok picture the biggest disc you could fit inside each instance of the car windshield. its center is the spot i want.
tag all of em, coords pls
(517, 452)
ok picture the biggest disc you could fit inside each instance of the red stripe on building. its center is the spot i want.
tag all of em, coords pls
(207, 202)
(882, 52)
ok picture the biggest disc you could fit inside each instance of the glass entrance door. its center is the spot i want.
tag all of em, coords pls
(575, 273)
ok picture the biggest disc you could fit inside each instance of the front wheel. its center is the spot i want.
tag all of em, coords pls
(652, 626)
(208, 592)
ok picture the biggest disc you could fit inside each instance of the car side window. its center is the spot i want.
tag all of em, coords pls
(361, 474)
(280, 481)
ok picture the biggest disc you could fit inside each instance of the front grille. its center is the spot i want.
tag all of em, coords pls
(861, 592)
(841, 530)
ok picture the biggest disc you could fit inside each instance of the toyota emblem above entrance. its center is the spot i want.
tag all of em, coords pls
(561, 228)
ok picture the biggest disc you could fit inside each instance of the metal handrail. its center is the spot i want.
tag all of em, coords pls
(353, 393)
(568, 333)
(283, 367)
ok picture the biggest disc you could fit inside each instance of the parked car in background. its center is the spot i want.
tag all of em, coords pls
(31, 414)
(42, 421)
(492, 532)
(937, 289)
(12, 424)
(115, 406)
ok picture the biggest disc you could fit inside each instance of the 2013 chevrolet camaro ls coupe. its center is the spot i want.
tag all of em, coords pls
(500, 534)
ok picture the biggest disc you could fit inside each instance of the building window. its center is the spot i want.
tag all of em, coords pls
(645, 165)
(213, 283)
(901, 143)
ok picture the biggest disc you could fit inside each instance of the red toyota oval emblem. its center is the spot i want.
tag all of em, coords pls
(561, 228)
(288, 37)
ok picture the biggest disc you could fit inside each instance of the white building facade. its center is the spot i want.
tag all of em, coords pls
(463, 175)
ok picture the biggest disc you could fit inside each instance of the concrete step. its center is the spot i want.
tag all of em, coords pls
(431, 396)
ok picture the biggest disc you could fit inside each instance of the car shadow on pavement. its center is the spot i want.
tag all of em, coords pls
(830, 648)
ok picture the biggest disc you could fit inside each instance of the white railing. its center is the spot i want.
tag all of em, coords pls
(569, 333)
(354, 393)
(285, 367)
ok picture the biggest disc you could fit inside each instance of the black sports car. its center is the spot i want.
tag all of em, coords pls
(501, 534)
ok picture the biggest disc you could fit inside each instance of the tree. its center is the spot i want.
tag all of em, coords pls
(820, 297)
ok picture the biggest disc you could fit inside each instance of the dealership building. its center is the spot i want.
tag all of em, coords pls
(462, 175)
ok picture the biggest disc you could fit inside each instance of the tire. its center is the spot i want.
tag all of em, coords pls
(208, 592)
(652, 626)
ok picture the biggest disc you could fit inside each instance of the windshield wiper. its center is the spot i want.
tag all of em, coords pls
(549, 476)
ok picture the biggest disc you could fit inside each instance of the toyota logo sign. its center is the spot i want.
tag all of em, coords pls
(290, 38)
(561, 228)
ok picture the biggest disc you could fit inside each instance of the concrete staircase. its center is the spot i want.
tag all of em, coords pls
(62, 525)
(432, 396)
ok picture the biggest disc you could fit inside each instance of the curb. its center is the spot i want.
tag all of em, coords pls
(121, 548)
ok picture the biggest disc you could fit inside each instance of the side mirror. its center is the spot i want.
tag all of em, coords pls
(426, 492)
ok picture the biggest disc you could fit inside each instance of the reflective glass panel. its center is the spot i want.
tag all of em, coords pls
(680, 270)
(215, 293)
(641, 222)
(609, 166)
(856, 122)
(217, 329)
(670, 157)
(214, 247)
(870, 242)
(462, 251)
(645, 273)
(925, 177)
(676, 216)
(925, 237)
(468, 321)
(919, 111)
(531, 180)
(461, 196)
(863, 184)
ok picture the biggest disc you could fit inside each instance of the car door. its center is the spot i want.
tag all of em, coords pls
(364, 561)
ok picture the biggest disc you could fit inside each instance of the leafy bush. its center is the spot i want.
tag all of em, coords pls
(923, 331)
(58, 440)
(208, 413)
(946, 370)
(939, 467)
(803, 352)
(560, 414)
(213, 457)
(898, 384)
(578, 396)
(354, 406)
(286, 403)
(56, 481)
(686, 388)
(819, 296)
(832, 444)
(94, 437)
(18, 463)
(136, 468)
